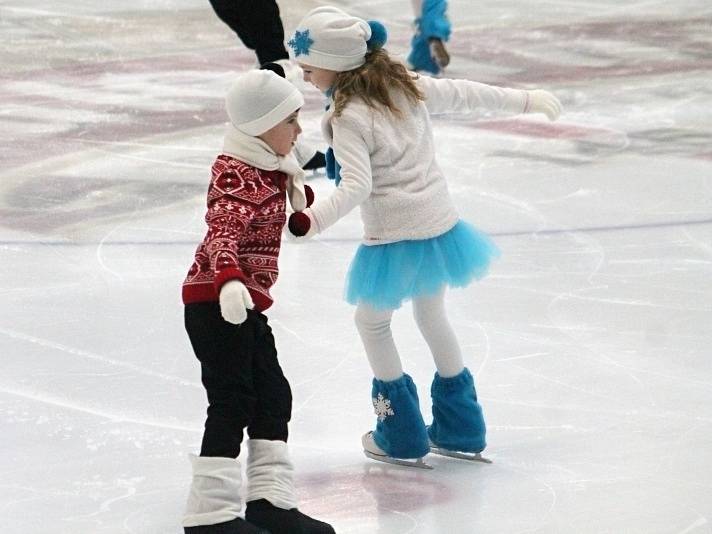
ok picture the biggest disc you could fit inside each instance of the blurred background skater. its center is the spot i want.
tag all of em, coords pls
(259, 26)
(428, 52)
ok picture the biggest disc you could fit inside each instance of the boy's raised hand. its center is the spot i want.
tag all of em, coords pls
(539, 101)
(234, 301)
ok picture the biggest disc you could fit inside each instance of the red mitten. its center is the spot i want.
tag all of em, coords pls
(309, 192)
(299, 223)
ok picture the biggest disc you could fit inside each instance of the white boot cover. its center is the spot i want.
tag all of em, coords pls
(215, 492)
(270, 473)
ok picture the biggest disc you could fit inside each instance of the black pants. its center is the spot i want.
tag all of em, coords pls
(245, 384)
(257, 24)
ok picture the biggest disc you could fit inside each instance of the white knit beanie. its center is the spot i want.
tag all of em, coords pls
(259, 100)
(331, 39)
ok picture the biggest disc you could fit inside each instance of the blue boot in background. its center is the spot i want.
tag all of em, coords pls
(458, 424)
(433, 29)
(400, 429)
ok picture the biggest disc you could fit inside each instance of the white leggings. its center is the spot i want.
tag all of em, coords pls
(374, 327)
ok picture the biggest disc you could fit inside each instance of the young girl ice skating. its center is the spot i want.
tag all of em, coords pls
(414, 243)
(225, 294)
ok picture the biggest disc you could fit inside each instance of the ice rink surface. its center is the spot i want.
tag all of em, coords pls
(591, 340)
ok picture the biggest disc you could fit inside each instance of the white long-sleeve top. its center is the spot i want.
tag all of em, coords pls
(388, 164)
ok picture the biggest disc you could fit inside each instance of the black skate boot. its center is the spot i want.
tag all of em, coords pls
(280, 521)
(271, 501)
(318, 161)
(214, 500)
(236, 526)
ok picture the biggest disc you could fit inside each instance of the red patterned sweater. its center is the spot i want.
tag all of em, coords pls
(246, 214)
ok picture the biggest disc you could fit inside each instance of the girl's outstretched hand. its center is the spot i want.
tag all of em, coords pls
(539, 101)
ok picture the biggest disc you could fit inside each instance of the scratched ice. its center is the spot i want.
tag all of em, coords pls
(590, 340)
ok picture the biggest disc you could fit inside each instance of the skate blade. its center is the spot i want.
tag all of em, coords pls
(469, 456)
(439, 53)
(419, 463)
(313, 174)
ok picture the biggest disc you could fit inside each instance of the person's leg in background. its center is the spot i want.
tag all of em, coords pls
(428, 52)
(258, 25)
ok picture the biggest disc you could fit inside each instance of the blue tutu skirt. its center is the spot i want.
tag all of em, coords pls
(386, 275)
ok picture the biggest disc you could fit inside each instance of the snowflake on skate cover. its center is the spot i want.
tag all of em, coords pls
(382, 407)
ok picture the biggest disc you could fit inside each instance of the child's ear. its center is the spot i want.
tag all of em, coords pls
(274, 67)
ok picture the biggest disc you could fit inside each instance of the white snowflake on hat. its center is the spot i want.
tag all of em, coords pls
(382, 407)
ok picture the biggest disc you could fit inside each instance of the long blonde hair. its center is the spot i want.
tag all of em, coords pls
(373, 81)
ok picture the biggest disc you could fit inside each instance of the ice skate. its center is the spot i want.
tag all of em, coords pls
(309, 158)
(271, 499)
(317, 166)
(470, 456)
(281, 521)
(374, 452)
(400, 437)
(214, 500)
(438, 52)
(236, 526)
(458, 428)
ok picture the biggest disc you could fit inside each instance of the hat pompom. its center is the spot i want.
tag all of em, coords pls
(299, 223)
(379, 35)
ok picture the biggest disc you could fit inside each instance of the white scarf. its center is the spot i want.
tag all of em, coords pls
(254, 151)
(326, 129)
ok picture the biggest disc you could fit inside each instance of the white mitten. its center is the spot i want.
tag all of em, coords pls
(234, 301)
(539, 101)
